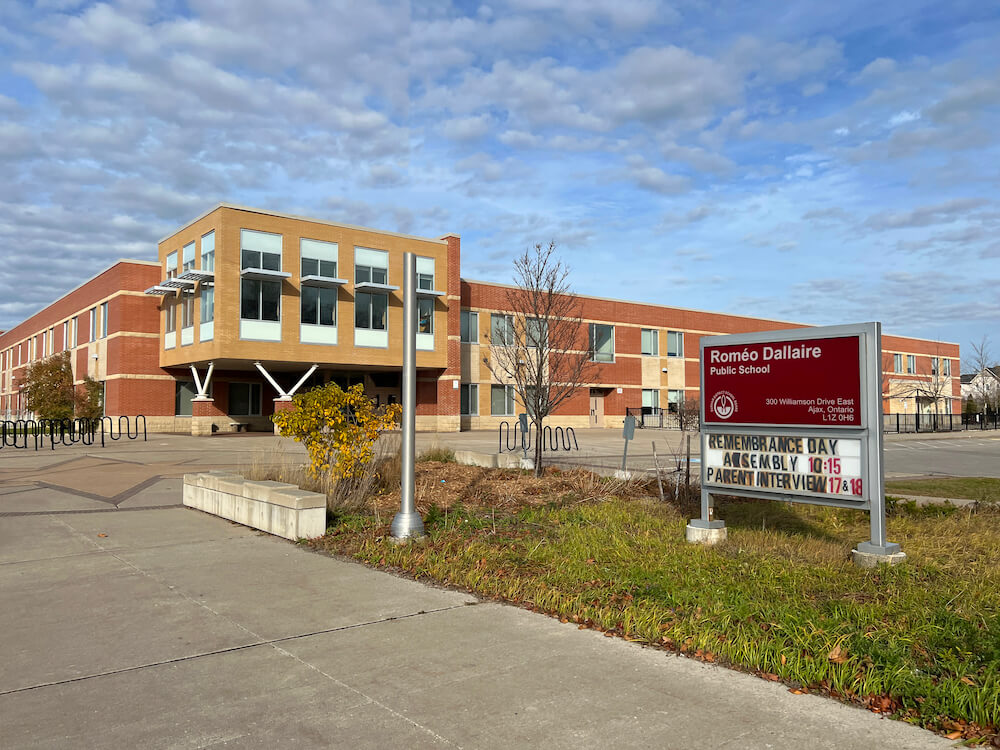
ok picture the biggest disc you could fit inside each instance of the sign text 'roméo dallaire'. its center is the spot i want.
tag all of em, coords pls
(809, 383)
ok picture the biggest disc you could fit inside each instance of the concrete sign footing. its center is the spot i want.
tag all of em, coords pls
(703, 535)
(874, 559)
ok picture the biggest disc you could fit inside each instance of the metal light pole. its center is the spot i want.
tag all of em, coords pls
(407, 524)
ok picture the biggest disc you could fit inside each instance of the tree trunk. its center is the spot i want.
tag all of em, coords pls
(538, 447)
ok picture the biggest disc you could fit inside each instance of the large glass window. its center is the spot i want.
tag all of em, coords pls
(371, 266)
(370, 311)
(172, 265)
(911, 364)
(470, 327)
(187, 311)
(93, 324)
(207, 304)
(425, 315)
(501, 329)
(319, 306)
(318, 258)
(946, 369)
(674, 400)
(897, 362)
(650, 342)
(208, 252)
(244, 399)
(469, 400)
(650, 398)
(260, 300)
(170, 316)
(187, 257)
(536, 332)
(425, 273)
(675, 344)
(260, 250)
(502, 400)
(602, 342)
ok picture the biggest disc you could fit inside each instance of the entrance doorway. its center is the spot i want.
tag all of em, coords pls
(596, 407)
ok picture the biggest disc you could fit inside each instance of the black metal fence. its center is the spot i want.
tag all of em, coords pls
(27, 433)
(898, 423)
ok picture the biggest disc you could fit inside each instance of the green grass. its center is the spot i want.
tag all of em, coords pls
(779, 598)
(439, 454)
(970, 488)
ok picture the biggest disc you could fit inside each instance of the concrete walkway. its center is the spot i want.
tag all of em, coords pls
(164, 627)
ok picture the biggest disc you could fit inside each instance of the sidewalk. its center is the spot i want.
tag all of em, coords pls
(167, 628)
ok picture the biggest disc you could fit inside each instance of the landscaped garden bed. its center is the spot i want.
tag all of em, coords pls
(780, 598)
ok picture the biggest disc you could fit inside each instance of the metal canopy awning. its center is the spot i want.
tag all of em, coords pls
(197, 275)
(177, 283)
(160, 290)
(264, 274)
(325, 281)
(430, 293)
(371, 286)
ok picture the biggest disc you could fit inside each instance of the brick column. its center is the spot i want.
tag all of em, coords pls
(282, 404)
(447, 393)
(202, 414)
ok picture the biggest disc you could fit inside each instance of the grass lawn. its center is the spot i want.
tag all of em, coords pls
(780, 598)
(983, 489)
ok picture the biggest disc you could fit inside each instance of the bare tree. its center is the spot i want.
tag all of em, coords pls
(539, 345)
(985, 386)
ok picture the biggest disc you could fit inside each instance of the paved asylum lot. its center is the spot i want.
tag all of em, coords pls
(168, 628)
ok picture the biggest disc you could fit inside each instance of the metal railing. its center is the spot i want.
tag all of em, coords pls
(903, 423)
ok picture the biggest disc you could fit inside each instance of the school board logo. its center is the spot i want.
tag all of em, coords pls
(723, 405)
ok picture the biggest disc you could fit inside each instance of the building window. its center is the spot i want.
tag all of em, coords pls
(425, 315)
(93, 324)
(187, 257)
(650, 341)
(675, 344)
(501, 329)
(76, 330)
(187, 311)
(371, 266)
(260, 300)
(897, 362)
(536, 332)
(425, 273)
(469, 400)
(318, 258)
(65, 335)
(207, 304)
(370, 311)
(184, 394)
(104, 320)
(470, 327)
(52, 340)
(244, 399)
(946, 370)
(911, 364)
(172, 265)
(208, 252)
(170, 312)
(319, 306)
(602, 342)
(260, 250)
(502, 400)
(650, 398)
(674, 400)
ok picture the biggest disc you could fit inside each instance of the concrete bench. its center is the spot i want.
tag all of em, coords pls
(275, 507)
(240, 426)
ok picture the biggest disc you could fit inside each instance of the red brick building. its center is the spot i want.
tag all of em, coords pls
(246, 306)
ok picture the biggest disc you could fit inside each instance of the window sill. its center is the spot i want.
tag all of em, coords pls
(327, 282)
(365, 286)
(263, 274)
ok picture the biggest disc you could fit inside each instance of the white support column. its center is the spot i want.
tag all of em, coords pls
(203, 385)
(303, 380)
(267, 376)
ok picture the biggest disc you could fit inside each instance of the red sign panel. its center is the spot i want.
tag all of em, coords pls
(808, 382)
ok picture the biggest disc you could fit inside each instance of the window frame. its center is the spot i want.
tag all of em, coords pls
(320, 292)
(250, 399)
(469, 396)
(510, 400)
(425, 320)
(531, 341)
(677, 338)
(170, 321)
(311, 251)
(653, 334)
(370, 307)
(208, 257)
(897, 363)
(593, 349)
(655, 392)
(248, 253)
(466, 325)
(370, 253)
(674, 405)
(911, 364)
(207, 294)
(506, 329)
(259, 295)
(93, 324)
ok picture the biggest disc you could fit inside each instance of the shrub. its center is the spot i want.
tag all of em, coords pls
(438, 453)
(48, 387)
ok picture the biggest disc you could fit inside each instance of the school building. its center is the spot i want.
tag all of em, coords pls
(247, 307)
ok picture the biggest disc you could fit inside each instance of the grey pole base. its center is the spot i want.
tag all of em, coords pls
(868, 555)
(407, 526)
(699, 531)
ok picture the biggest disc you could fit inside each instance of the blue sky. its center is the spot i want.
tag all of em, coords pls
(815, 162)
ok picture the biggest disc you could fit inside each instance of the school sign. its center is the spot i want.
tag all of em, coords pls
(795, 415)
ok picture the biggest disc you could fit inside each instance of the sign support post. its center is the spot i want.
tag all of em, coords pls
(795, 415)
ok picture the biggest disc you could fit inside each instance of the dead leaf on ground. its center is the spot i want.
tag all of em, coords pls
(837, 655)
